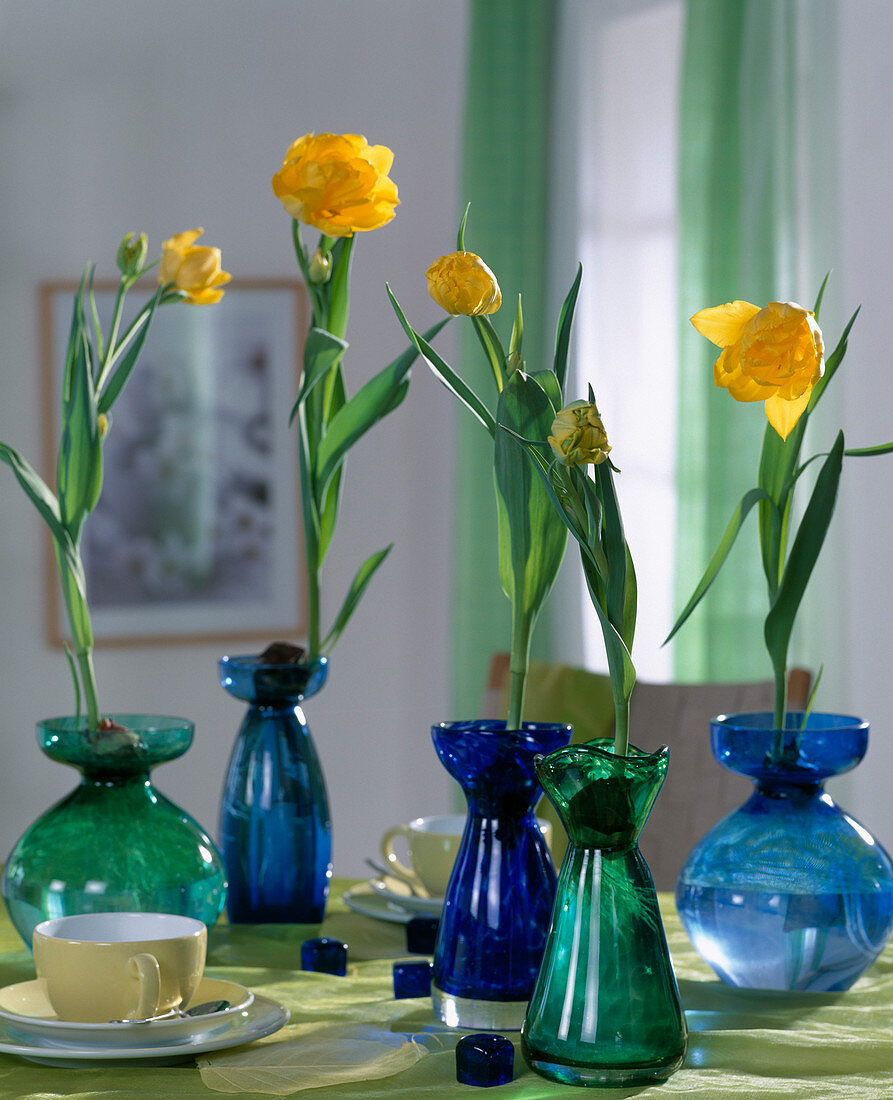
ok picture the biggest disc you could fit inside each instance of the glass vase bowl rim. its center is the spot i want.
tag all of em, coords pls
(496, 726)
(762, 721)
(598, 747)
(140, 722)
(252, 660)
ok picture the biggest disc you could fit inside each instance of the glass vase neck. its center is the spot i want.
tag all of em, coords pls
(494, 765)
(262, 684)
(603, 799)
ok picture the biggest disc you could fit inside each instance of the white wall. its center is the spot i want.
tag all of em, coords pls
(866, 514)
(160, 116)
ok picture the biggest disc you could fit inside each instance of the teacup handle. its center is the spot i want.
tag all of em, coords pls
(397, 869)
(145, 967)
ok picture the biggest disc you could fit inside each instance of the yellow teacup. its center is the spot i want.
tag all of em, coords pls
(99, 967)
(432, 844)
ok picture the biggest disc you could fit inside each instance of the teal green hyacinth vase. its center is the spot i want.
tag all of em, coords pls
(605, 1010)
(115, 843)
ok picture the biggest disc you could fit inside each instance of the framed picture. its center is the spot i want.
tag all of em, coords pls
(196, 534)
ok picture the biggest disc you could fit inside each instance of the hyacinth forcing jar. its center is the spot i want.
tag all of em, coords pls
(275, 830)
(499, 897)
(788, 892)
(606, 1008)
(115, 843)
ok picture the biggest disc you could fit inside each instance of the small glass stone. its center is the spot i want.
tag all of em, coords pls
(325, 955)
(412, 979)
(421, 934)
(484, 1059)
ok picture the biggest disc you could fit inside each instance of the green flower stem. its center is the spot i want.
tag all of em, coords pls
(522, 629)
(621, 728)
(82, 640)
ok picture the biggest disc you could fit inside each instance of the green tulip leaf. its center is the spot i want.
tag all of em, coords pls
(133, 343)
(322, 351)
(532, 536)
(832, 362)
(445, 373)
(493, 349)
(328, 497)
(373, 401)
(615, 547)
(803, 556)
(865, 452)
(722, 551)
(360, 583)
(337, 290)
(563, 333)
(79, 472)
(517, 339)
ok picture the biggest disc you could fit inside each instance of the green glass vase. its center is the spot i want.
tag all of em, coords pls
(605, 1009)
(115, 843)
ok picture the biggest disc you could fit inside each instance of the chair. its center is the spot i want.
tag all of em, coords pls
(697, 792)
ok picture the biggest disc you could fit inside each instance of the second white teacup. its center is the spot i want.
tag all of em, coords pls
(432, 844)
(99, 967)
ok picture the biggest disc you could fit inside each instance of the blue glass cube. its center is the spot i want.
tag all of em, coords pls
(325, 955)
(484, 1060)
(421, 934)
(412, 979)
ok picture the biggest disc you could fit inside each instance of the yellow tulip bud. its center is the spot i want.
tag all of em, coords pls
(194, 270)
(337, 183)
(320, 270)
(461, 283)
(774, 354)
(578, 435)
(132, 254)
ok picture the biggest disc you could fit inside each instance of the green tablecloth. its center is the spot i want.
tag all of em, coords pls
(741, 1044)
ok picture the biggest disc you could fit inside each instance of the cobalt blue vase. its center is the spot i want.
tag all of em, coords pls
(788, 892)
(275, 831)
(499, 899)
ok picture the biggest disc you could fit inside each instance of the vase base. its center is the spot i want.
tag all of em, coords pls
(601, 1076)
(475, 1014)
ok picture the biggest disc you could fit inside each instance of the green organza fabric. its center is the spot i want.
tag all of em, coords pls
(742, 1045)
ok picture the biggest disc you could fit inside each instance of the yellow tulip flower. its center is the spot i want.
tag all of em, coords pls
(774, 354)
(461, 283)
(193, 269)
(337, 183)
(578, 435)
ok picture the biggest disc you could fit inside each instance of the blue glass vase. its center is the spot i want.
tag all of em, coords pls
(788, 892)
(606, 1008)
(115, 843)
(275, 831)
(499, 898)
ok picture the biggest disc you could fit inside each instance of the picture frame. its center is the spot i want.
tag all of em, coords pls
(196, 535)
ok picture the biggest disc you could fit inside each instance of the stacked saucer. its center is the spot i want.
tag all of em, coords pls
(30, 1028)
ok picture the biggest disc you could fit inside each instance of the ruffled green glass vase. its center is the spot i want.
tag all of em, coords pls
(115, 843)
(606, 1008)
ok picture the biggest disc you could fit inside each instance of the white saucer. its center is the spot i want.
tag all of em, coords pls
(383, 905)
(262, 1017)
(26, 1014)
(399, 892)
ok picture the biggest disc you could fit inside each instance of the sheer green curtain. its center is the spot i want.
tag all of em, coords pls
(738, 238)
(504, 179)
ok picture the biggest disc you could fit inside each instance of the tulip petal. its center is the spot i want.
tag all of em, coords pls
(727, 373)
(724, 325)
(783, 415)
